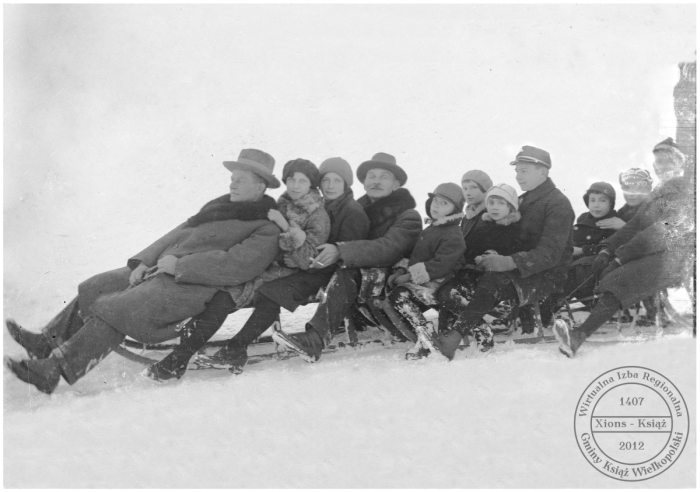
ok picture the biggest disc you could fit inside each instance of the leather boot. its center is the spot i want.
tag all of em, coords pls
(34, 343)
(44, 374)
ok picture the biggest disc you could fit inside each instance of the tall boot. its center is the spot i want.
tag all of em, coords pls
(39, 345)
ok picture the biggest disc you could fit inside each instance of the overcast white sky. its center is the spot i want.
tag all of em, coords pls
(117, 118)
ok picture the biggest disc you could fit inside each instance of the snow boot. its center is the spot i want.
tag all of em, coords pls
(231, 357)
(308, 345)
(34, 343)
(418, 351)
(44, 374)
(444, 344)
(483, 336)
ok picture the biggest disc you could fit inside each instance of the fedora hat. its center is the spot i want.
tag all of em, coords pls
(257, 162)
(380, 160)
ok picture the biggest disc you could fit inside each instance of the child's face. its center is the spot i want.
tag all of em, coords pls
(497, 207)
(599, 205)
(472, 193)
(634, 199)
(298, 185)
(441, 207)
(332, 186)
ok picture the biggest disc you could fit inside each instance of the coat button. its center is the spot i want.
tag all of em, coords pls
(212, 233)
(588, 237)
(176, 246)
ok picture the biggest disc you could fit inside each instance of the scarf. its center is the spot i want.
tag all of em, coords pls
(223, 208)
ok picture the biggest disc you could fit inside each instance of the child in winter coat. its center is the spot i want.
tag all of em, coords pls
(497, 233)
(438, 252)
(600, 200)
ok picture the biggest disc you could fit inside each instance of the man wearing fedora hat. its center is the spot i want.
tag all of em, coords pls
(394, 229)
(228, 242)
(524, 277)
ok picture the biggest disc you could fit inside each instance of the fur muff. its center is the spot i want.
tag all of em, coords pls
(419, 275)
(223, 208)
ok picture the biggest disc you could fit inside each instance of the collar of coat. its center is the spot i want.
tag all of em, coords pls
(447, 220)
(223, 208)
(334, 206)
(509, 219)
(298, 210)
(471, 211)
(542, 190)
(587, 219)
(387, 208)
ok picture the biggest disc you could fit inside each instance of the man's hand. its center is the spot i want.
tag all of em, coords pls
(402, 279)
(167, 264)
(497, 263)
(601, 261)
(611, 223)
(137, 274)
(276, 217)
(391, 281)
(329, 254)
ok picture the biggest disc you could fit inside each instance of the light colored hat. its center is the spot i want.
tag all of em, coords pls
(479, 177)
(337, 165)
(257, 162)
(506, 192)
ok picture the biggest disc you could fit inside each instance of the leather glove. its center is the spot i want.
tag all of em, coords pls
(497, 263)
(612, 266)
(601, 261)
(403, 279)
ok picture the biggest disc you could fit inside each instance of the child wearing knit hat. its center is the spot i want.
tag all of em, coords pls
(495, 236)
(438, 252)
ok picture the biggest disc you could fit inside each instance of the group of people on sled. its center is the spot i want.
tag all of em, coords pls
(484, 246)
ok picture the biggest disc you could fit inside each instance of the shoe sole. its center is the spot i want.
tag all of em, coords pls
(427, 342)
(281, 339)
(563, 338)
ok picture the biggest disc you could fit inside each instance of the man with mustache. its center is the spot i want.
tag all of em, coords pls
(394, 229)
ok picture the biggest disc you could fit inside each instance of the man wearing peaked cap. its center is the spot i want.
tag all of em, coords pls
(394, 229)
(228, 242)
(524, 277)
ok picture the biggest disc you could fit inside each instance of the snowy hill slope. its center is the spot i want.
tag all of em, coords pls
(364, 418)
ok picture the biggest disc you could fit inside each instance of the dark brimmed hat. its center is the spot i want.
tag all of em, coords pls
(533, 155)
(604, 189)
(257, 162)
(303, 166)
(451, 192)
(380, 160)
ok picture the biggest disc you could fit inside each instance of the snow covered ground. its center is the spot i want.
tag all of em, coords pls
(364, 418)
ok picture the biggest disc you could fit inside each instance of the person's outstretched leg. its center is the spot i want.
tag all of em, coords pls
(570, 338)
(195, 335)
(72, 359)
(410, 309)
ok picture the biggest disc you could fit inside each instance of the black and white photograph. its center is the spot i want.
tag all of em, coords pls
(349, 246)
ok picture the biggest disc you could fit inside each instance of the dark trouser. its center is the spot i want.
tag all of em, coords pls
(456, 294)
(147, 312)
(493, 287)
(409, 307)
(341, 293)
(70, 319)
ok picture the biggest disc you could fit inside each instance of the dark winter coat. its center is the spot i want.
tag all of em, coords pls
(220, 253)
(349, 222)
(213, 255)
(438, 252)
(586, 232)
(503, 238)
(657, 247)
(626, 212)
(394, 229)
(548, 224)
(472, 218)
